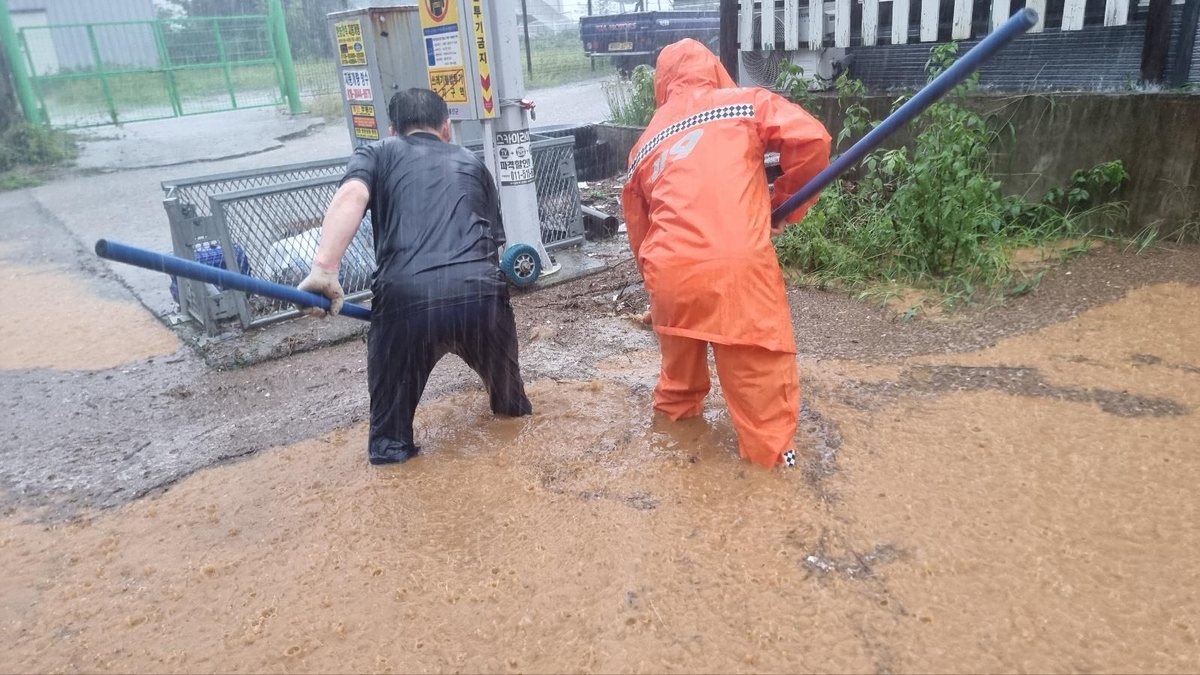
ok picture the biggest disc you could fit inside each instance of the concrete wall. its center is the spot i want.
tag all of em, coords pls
(1157, 136)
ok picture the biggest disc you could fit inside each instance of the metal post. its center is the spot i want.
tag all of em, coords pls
(37, 86)
(728, 32)
(528, 52)
(592, 59)
(1186, 43)
(283, 53)
(8, 36)
(108, 97)
(216, 23)
(164, 57)
(1157, 41)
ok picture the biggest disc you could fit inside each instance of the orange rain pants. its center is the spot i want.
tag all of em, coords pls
(698, 212)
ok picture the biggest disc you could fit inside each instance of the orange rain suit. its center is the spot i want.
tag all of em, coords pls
(698, 212)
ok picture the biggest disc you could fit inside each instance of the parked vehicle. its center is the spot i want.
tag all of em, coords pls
(635, 38)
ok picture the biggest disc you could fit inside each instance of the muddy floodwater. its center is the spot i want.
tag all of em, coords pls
(1030, 507)
(51, 318)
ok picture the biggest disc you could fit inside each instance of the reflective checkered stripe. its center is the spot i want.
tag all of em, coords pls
(741, 110)
(789, 458)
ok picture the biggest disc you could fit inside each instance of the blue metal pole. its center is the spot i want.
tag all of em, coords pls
(941, 85)
(189, 269)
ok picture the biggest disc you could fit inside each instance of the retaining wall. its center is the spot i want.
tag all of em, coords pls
(1157, 136)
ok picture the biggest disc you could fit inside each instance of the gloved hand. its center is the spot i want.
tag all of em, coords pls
(647, 318)
(777, 230)
(323, 281)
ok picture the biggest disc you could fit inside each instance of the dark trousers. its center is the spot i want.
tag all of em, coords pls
(403, 349)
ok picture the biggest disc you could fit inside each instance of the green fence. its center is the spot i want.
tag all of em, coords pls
(110, 73)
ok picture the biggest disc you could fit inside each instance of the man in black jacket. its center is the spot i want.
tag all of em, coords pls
(437, 286)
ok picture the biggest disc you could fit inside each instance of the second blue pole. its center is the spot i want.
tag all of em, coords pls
(941, 85)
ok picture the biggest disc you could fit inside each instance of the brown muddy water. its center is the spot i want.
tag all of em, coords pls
(54, 319)
(1031, 507)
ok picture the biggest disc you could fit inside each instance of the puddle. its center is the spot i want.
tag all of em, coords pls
(50, 318)
(1144, 344)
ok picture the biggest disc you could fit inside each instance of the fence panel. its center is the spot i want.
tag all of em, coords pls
(129, 71)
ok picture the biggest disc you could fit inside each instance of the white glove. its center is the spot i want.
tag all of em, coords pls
(323, 281)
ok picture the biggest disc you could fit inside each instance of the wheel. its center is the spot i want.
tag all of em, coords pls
(521, 265)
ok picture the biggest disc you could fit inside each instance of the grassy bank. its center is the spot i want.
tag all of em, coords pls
(27, 152)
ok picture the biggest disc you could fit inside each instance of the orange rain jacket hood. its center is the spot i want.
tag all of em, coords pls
(698, 207)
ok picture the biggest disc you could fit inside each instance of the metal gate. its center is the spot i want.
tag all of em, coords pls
(115, 72)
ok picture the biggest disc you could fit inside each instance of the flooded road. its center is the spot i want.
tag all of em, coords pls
(53, 318)
(1028, 507)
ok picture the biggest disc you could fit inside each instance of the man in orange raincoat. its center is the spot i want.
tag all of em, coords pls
(698, 212)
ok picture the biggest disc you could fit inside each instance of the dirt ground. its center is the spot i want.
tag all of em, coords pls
(1011, 491)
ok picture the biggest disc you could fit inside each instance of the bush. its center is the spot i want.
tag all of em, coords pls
(632, 104)
(8, 158)
(934, 214)
(37, 145)
(26, 149)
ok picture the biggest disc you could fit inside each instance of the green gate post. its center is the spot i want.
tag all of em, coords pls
(283, 52)
(108, 97)
(224, 62)
(160, 40)
(8, 35)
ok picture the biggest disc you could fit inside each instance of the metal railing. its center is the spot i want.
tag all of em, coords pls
(279, 228)
(91, 74)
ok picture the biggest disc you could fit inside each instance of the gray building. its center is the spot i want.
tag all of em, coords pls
(56, 41)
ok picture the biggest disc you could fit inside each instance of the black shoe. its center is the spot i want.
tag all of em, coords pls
(387, 451)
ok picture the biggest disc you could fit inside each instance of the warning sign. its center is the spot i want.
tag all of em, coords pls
(444, 50)
(358, 85)
(369, 134)
(515, 157)
(350, 43)
(443, 47)
(449, 83)
(486, 96)
(365, 122)
(359, 110)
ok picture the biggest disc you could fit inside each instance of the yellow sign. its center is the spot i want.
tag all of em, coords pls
(369, 134)
(362, 110)
(436, 13)
(350, 43)
(483, 58)
(449, 83)
(443, 49)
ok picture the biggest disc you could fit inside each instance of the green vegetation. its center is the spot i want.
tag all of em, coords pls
(632, 103)
(26, 151)
(80, 101)
(330, 107)
(558, 58)
(933, 215)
